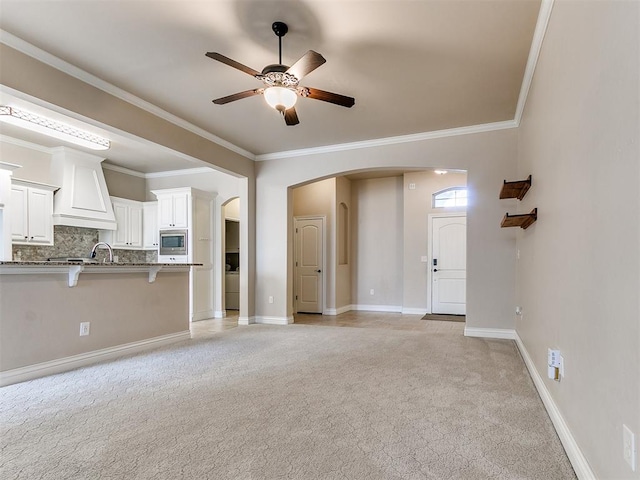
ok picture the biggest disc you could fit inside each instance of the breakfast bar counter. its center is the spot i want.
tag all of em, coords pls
(128, 307)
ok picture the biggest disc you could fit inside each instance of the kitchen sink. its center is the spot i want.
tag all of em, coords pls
(72, 259)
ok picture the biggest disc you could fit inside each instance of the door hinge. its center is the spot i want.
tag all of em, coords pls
(296, 230)
(296, 297)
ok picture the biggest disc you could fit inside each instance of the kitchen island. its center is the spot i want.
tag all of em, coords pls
(129, 306)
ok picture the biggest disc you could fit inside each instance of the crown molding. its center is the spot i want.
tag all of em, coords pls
(59, 64)
(126, 171)
(378, 142)
(536, 46)
(175, 173)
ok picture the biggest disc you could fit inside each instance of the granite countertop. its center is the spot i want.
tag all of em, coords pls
(58, 263)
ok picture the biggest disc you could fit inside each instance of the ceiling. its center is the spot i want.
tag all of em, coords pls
(412, 66)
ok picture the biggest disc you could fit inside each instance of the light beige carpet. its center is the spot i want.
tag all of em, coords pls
(295, 402)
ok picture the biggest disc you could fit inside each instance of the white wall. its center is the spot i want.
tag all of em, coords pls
(489, 158)
(578, 274)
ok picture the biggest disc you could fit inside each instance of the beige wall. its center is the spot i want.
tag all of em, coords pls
(578, 273)
(35, 164)
(377, 260)
(343, 286)
(489, 158)
(125, 186)
(122, 308)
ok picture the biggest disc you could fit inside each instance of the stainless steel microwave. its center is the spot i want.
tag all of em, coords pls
(173, 242)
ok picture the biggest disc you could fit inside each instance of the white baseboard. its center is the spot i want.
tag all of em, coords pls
(274, 320)
(219, 314)
(576, 457)
(38, 370)
(338, 311)
(246, 320)
(507, 333)
(377, 308)
(414, 311)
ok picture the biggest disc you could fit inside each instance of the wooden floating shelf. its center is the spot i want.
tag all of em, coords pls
(517, 189)
(522, 220)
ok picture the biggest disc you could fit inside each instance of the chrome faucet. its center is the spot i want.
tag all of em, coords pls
(95, 247)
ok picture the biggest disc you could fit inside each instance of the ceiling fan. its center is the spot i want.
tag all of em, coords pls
(281, 82)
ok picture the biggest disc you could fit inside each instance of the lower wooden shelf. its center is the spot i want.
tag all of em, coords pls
(523, 220)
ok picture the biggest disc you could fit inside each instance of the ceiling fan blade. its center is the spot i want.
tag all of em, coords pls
(341, 100)
(306, 64)
(291, 117)
(238, 96)
(232, 63)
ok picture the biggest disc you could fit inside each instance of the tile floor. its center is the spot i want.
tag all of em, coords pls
(379, 320)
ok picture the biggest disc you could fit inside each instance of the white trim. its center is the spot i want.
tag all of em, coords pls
(219, 314)
(246, 320)
(206, 315)
(25, 144)
(76, 361)
(414, 311)
(378, 308)
(576, 457)
(507, 333)
(377, 142)
(59, 64)
(184, 171)
(126, 171)
(536, 46)
(338, 311)
(274, 320)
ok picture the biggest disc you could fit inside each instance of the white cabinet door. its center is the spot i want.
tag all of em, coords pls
(181, 210)
(31, 215)
(135, 226)
(150, 226)
(173, 210)
(120, 235)
(19, 214)
(40, 216)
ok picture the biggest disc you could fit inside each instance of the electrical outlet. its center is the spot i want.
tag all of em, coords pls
(518, 310)
(270, 299)
(371, 292)
(555, 362)
(85, 328)
(629, 447)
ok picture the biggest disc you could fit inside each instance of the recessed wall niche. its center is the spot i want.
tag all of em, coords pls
(343, 234)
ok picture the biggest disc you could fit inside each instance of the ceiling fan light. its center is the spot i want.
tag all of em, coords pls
(280, 98)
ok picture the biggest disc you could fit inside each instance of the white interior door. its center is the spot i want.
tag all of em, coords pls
(449, 265)
(309, 265)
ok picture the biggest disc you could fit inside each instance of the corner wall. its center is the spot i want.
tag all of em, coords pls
(579, 268)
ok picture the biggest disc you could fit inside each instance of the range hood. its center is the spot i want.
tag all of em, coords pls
(83, 199)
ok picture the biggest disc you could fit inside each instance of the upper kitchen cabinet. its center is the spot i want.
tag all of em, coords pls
(150, 238)
(31, 212)
(173, 208)
(128, 232)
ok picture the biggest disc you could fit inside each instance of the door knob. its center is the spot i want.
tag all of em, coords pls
(319, 271)
(435, 269)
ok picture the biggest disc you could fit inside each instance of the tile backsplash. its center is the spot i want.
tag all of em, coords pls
(77, 242)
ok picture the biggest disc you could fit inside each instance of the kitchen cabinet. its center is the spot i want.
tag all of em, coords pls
(31, 213)
(173, 210)
(150, 238)
(128, 233)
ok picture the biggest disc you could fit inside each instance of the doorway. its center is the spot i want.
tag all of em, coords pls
(232, 255)
(309, 264)
(448, 263)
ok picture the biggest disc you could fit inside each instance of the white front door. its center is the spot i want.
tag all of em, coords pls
(308, 265)
(449, 265)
